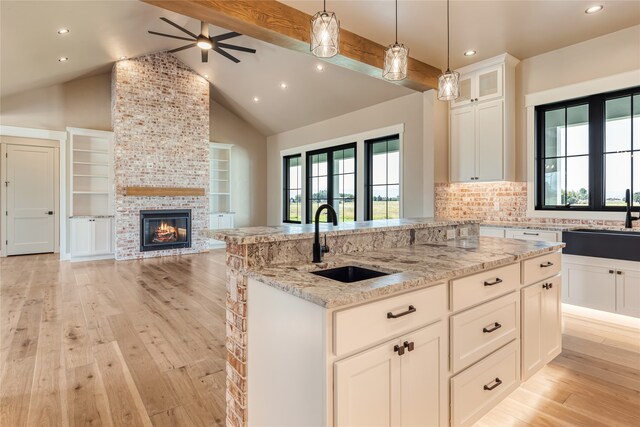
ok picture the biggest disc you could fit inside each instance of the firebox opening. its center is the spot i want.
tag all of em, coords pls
(165, 229)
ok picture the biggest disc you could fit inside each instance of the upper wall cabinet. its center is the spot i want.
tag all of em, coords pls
(482, 122)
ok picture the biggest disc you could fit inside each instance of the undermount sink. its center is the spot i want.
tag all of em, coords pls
(349, 274)
(616, 244)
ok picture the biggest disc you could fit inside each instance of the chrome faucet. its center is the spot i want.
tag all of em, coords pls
(318, 249)
(628, 222)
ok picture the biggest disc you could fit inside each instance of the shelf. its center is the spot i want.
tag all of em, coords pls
(91, 163)
(82, 150)
(220, 160)
(219, 194)
(90, 176)
(91, 192)
(219, 180)
(219, 170)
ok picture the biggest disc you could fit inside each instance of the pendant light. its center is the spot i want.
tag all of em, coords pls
(395, 58)
(448, 81)
(325, 33)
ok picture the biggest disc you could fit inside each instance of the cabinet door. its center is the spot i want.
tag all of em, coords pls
(628, 292)
(466, 90)
(101, 236)
(423, 374)
(463, 145)
(590, 286)
(489, 141)
(81, 237)
(532, 341)
(488, 83)
(551, 319)
(367, 388)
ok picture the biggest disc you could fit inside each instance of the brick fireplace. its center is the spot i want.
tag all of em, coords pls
(160, 113)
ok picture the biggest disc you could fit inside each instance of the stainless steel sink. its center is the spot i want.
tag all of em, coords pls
(616, 244)
(349, 274)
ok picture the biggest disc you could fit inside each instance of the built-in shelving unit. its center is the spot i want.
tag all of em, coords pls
(220, 215)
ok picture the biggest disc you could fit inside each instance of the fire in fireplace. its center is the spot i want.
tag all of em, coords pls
(165, 229)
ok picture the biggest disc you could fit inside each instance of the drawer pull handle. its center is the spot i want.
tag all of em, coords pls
(398, 349)
(497, 281)
(409, 345)
(531, 234)
(547, 285)
(498, 381)
(495, 327)
(546, 264)
(411, 309)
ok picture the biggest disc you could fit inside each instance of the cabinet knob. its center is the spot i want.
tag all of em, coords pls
(611, 271)
(398, 349)
(409, 345)
(619, 272)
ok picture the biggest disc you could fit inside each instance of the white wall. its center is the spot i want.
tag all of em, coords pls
(417, 161)
(248, 165)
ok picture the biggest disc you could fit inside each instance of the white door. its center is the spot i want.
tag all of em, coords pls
(101, 236)
(590, 286)
(30, 199)
(551, 319)
(463, 146)
(532, 311)
(367, 388)
(81, 236)
(489, 141)
(423, 378)
(628, 290)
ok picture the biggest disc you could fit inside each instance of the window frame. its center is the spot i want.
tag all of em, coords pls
(597, 126)
(368, 170)
(286, 187)
(308, 191)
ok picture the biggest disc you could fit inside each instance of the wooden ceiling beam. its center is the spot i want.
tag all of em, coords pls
(287, 27)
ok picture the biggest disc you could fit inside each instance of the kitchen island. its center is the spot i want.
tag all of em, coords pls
(407, 348)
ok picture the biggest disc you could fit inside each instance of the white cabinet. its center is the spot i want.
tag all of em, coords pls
(482, 123)
(541, 325)
(602, 284)
(528, 234)
(91, 237)
(399, 383)
(480, 86)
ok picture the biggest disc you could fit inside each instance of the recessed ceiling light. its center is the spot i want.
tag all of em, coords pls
(256, 99)
(283, 85)
(63, 31)
(594, 9)
(63, 59)
(470, 53)
(319, 67)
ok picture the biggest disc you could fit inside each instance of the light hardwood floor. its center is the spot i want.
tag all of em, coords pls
(133, 343)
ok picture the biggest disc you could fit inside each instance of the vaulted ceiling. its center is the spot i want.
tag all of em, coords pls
(103, 31)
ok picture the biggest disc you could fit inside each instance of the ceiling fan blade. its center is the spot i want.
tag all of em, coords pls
(182, 48)
(204, 29)
(234, 47)
(169, 35)
(184, 30)
(205, 55)
(226, 55)
(225, 36)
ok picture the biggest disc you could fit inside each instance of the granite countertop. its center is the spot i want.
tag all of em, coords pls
(549, 226)
(410, 267)
(296, 231)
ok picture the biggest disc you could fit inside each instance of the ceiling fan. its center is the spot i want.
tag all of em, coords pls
(205, 42)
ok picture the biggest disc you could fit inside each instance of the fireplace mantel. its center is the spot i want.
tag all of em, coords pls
(163, 191)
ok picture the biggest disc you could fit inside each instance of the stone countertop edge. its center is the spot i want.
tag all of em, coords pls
(550, 226)
(267, 234)
(331, 294)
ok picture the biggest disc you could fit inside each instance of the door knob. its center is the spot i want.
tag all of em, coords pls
(50, 213)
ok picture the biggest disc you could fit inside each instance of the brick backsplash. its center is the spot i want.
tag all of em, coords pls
(497, 201)
(160, 114)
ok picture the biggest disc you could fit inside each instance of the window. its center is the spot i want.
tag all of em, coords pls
(588, 152)
(383, 178)
(331, 178)
(292, 189)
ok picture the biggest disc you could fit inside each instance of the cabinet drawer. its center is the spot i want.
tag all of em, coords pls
(547, 236)
(478, 389)
(480, 331)
(484, 286)
(370, 323)
(540, 268)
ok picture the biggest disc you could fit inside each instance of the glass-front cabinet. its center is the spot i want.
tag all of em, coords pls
(480, 86)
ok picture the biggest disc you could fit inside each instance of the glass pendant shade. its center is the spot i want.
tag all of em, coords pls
(325, 34)
(395, 62)
(448, 88)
